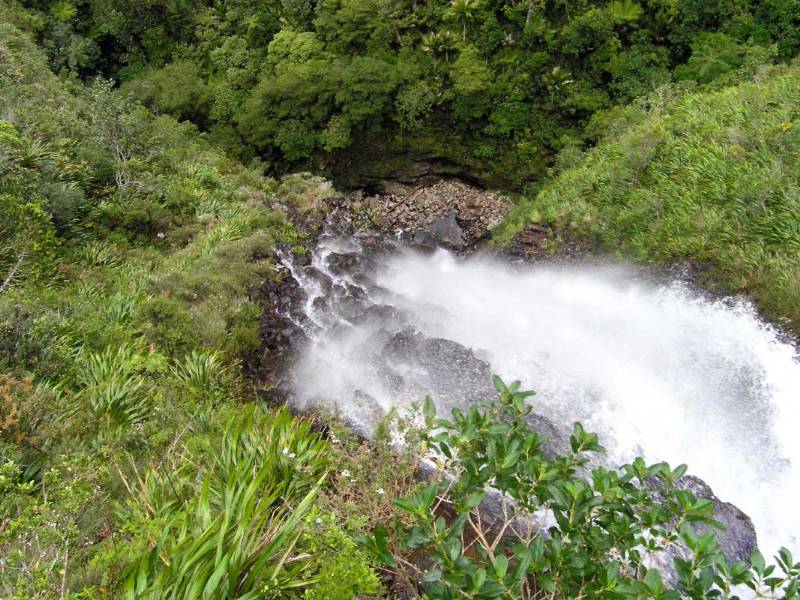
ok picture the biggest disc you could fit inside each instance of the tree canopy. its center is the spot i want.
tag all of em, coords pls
(496, 87)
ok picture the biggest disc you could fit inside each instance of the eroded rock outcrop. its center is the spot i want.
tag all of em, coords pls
(449, 213)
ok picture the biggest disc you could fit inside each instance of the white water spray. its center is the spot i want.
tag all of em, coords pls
(657, 371)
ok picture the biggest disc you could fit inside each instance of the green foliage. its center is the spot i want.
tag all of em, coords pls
(177, 89)
(607, 528)
(28, 241)
(293, 48)
(63, 11)
(229, 527)
(464, 12)
(122, 333)
(130, 247)
(47, 520)
(342, 569)
(201, 372)
(367, 475)
(470, 73)
(298, 82)
(112, 386)
(713, 55)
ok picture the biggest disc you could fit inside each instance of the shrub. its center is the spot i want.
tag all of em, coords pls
(50, 525)
(25, 410)
(13, 395)
(342, 570)
(607, 531)
(29, 339)
(243, 329)
(367, 474)
(167, 325)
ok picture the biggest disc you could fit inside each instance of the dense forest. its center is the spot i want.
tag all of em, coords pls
(495, 88)
(154, 154)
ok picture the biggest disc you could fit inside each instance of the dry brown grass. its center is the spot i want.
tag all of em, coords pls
(15, 400)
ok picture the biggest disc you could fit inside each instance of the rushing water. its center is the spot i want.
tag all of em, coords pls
(656, 370)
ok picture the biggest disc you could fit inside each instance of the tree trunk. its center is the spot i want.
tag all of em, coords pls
(13, 272)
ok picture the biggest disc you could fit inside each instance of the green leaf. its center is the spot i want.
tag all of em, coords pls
(757, 562)
(406, 504)
(498, 384)
(510, 460)
(429, 411)
(479, 580)
(501, 566)
(474, 500)
(653, 581)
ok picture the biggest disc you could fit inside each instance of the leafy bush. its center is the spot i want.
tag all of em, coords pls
(367, 474)
(561, 531)
(51, 523)
(342, 570)
(15, 397)
(167, 325)
(27, 240)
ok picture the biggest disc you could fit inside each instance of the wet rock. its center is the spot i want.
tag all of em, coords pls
(343, 263)
(446, 370)
(383, 315)
(556, 440)
(365, 420)
(444, 230)
(738, 539)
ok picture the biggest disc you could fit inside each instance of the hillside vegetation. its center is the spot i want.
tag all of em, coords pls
(711, 177)
(493, 88)
(144, 152)
(130, 251)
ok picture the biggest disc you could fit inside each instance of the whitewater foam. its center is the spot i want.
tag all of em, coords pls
(657, 370)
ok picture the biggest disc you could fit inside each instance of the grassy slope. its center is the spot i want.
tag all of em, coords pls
(710, 176)
(126, 426)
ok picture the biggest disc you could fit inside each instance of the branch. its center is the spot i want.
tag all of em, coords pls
(13, 272)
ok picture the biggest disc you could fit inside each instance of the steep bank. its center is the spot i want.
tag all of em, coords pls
(709, 177)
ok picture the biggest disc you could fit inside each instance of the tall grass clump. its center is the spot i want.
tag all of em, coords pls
(201, 371)
(112, 387)
(223, 516)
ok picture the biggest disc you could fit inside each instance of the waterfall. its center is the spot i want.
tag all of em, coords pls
(658, 370)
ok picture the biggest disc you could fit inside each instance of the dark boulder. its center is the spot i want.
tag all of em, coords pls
(444, 230)
(738, 538)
